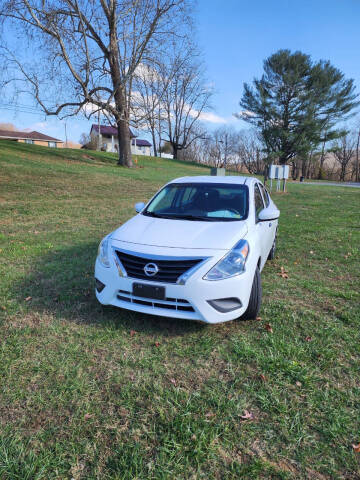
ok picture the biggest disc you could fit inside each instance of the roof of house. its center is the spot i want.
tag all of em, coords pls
(108, 130)
(141, 143)
(27, 135)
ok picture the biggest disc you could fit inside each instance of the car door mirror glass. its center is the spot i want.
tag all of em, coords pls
(139, 206)
(268, 214)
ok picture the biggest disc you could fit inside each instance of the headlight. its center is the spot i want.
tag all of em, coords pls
(232, 264)
(103, 252)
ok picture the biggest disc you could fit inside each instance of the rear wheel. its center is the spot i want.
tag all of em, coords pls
(255, 298)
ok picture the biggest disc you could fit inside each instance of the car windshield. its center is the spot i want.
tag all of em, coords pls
(200, 201)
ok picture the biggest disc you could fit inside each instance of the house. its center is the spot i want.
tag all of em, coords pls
(140, 147)
(34, 137)
(107, 138)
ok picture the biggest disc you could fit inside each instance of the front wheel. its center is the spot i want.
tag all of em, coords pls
(271, 255)
(255, 298)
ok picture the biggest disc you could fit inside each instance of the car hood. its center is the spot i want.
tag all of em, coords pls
(162, 232)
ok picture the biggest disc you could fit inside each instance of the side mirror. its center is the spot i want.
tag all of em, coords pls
(267, 214)
(139, 207)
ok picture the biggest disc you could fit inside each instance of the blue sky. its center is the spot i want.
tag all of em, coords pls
(236, 36)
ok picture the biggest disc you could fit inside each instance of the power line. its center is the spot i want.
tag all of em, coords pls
(21, 109)
(14, 105)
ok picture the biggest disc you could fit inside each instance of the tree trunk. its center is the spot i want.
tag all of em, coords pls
(266, 174)
(322, 159)
(125, 158)
(342, 173)
(295, 170)
(154, 142)
(175, 150)
(122, 119)
(304, 167)
(309, 168)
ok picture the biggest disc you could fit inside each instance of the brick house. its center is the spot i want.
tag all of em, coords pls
(35, 138)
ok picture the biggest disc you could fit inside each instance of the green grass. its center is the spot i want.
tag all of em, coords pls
(84, 397)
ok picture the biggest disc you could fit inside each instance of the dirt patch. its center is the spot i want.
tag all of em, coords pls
(31, 319)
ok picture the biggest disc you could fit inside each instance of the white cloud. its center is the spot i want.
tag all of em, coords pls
(146, 73)
(243, 114)
(36, 126)
(212, 118)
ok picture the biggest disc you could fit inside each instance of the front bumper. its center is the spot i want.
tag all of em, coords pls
(188, 301)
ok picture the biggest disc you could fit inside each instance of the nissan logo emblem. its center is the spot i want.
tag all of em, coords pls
(151, 269)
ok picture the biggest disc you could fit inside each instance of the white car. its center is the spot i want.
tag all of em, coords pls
(195, 251)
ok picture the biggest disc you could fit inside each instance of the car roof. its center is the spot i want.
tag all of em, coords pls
(216, 179)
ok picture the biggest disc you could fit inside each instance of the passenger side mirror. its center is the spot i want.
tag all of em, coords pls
(139, 206)
(269, 213)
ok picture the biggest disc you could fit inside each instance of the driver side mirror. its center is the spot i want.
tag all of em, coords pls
(268, 214)
(139, 206)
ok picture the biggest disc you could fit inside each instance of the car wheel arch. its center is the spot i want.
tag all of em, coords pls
(259, 263)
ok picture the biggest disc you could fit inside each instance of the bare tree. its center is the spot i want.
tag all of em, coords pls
(89, 52)
(221, 146)
(185, 97)
(344, 150)
(147, 108)
(196, 152)
(249, 152)
(305, 164)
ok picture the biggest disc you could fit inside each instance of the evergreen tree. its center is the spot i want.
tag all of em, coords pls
(297, 104)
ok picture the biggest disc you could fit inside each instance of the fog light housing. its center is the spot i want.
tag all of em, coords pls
(99, 285)
(225, 305)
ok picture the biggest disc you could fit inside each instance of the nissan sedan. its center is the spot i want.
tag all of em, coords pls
(194, 251)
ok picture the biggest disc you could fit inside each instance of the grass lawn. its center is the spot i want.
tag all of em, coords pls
(92, 392)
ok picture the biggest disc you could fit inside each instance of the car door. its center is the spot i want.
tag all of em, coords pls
(261, 228)
(272, 225)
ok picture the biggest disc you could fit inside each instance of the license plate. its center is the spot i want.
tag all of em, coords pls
(148, 291)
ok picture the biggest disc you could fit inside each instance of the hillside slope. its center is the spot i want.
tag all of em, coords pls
(90, 392)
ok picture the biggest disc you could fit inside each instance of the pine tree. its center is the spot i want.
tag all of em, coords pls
(297, 104)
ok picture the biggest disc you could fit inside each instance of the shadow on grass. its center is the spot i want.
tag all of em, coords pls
(61, 283)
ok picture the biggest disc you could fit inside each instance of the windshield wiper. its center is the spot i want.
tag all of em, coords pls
(179, 216)
(152, 214)
(160, 215)
(190, 217)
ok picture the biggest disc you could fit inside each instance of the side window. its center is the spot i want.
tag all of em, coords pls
(259, 204)
(264, 194)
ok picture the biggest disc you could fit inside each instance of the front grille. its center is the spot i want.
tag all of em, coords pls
(169, 303)
(169, 270)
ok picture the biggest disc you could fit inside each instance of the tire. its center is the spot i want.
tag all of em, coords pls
(255, 298)
(272, 252)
